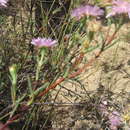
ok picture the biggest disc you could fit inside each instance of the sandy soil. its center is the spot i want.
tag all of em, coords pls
(112, 72)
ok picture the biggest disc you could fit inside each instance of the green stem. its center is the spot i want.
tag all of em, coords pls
(40, 63)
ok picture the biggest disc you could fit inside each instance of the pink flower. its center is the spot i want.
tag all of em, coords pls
(43, 42)
(78, 13)
(3, 2)
(119, 7)
(87, 10)
(103, 108)
(114, 120)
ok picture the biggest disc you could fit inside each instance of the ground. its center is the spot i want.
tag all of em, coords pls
(111, 74)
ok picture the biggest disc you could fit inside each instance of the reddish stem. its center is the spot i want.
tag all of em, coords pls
(51, 86)
(78, 60)
(10, 121)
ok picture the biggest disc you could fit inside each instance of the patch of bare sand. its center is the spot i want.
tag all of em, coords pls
(112, 69)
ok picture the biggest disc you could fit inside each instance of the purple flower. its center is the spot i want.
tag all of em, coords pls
(114, 120)
(103, 108)
(3, 2)
(43, 42)
(78, 13)
(119, 7)
(87, 10)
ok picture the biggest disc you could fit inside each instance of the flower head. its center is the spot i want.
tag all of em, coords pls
(119, 7)
(87, 10)
(3, 2)
(78, 12)
(43, 42)
(115, 120)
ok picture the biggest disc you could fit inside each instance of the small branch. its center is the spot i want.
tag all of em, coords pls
(51, 86)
